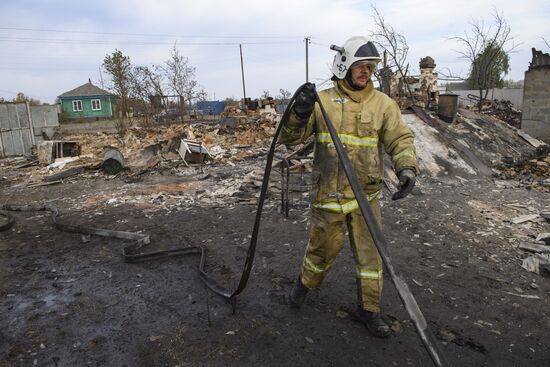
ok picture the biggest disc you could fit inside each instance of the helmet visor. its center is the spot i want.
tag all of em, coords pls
(363, 63)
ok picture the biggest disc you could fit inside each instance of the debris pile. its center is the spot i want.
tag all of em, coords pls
(502, 110)
(530, 173)
(473, 145)
(229, 150)
(142, 149)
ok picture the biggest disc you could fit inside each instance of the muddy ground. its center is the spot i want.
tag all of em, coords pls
(65, 302)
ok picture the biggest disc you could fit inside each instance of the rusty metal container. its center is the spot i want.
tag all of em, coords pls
(448, 107)
(113, 161)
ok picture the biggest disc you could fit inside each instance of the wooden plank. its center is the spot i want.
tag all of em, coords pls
(524, 218)
(44, 183)
(64, 174)
(528, 138)
(534, 247)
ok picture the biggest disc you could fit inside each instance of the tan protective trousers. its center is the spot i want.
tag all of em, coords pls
(328, 231)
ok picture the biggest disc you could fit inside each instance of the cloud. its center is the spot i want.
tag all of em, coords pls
(48, 68)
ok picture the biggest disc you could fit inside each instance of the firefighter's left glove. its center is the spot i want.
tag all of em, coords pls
(406, 183)
(305, 102)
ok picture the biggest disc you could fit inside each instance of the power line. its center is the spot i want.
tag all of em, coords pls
(140, 34)
(319, 44)
(139, 43)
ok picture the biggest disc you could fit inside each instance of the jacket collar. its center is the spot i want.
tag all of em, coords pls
(355, 95)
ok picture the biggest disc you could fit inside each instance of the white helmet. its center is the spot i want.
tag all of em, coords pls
(355, 49)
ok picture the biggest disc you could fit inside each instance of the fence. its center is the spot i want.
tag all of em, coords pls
(22, 126)
(514, 95)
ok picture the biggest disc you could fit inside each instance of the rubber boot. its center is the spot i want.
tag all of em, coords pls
(298, 294)
(374, 323)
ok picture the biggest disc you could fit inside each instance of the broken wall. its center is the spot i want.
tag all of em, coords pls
(535, 119)
(44, 121)
(424, 86)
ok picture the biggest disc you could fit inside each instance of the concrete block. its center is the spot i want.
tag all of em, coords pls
(45, 152)
(537, 129)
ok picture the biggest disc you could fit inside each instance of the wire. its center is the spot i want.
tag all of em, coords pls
(98, 42)
(138, 34)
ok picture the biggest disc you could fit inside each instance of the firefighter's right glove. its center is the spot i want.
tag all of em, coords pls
(305, 102)
(406, 183)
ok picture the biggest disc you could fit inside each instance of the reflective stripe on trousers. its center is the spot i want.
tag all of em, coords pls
(369, 274)
(346, 207)
(328, 230)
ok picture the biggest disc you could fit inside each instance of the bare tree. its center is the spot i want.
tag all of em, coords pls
(201, 95)
(487, 49)
(284, 94)
(395, 45)
(144, 83)
(156, 79)
(181, 78)
(265, 94)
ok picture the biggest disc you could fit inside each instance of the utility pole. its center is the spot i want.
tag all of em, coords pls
(101, 78)
(307, 39)
(242, 72)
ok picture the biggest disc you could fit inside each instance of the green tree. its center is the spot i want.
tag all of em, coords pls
(487, 49)
(489, 68)
(119, 68)
(21, 97)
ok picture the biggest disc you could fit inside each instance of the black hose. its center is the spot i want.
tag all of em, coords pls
(133, 254)
(9, 221)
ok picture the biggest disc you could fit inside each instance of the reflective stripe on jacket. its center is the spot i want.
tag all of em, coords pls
(366, 125)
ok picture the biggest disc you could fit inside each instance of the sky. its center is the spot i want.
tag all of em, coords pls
(50, 47)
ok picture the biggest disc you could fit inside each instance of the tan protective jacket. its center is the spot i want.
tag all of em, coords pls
(367, 121)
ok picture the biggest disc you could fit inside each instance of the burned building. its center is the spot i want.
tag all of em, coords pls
(428, 92)
(423, 87)
(535, 119)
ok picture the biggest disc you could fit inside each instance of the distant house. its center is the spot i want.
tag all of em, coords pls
(87, 101)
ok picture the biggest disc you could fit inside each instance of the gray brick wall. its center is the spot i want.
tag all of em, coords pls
(535, 119)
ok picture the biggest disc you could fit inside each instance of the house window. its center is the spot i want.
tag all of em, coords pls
(96, 104)
(77, 106)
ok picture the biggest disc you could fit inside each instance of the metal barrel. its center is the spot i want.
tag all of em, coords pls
(448, 106)
(113, 162)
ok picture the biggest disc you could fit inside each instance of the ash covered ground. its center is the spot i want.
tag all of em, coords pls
(67, 301)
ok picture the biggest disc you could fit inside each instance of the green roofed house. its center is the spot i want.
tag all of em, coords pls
(87, 101)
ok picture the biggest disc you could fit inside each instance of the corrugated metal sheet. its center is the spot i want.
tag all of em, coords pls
(211, 107)
(21, 128)
(15, 131)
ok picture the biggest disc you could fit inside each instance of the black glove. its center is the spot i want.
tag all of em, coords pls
(406, 183)
(305, 101)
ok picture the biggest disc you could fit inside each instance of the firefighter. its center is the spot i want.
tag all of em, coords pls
(367, 122)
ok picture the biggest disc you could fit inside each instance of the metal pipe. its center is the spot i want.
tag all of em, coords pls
(285, 185)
